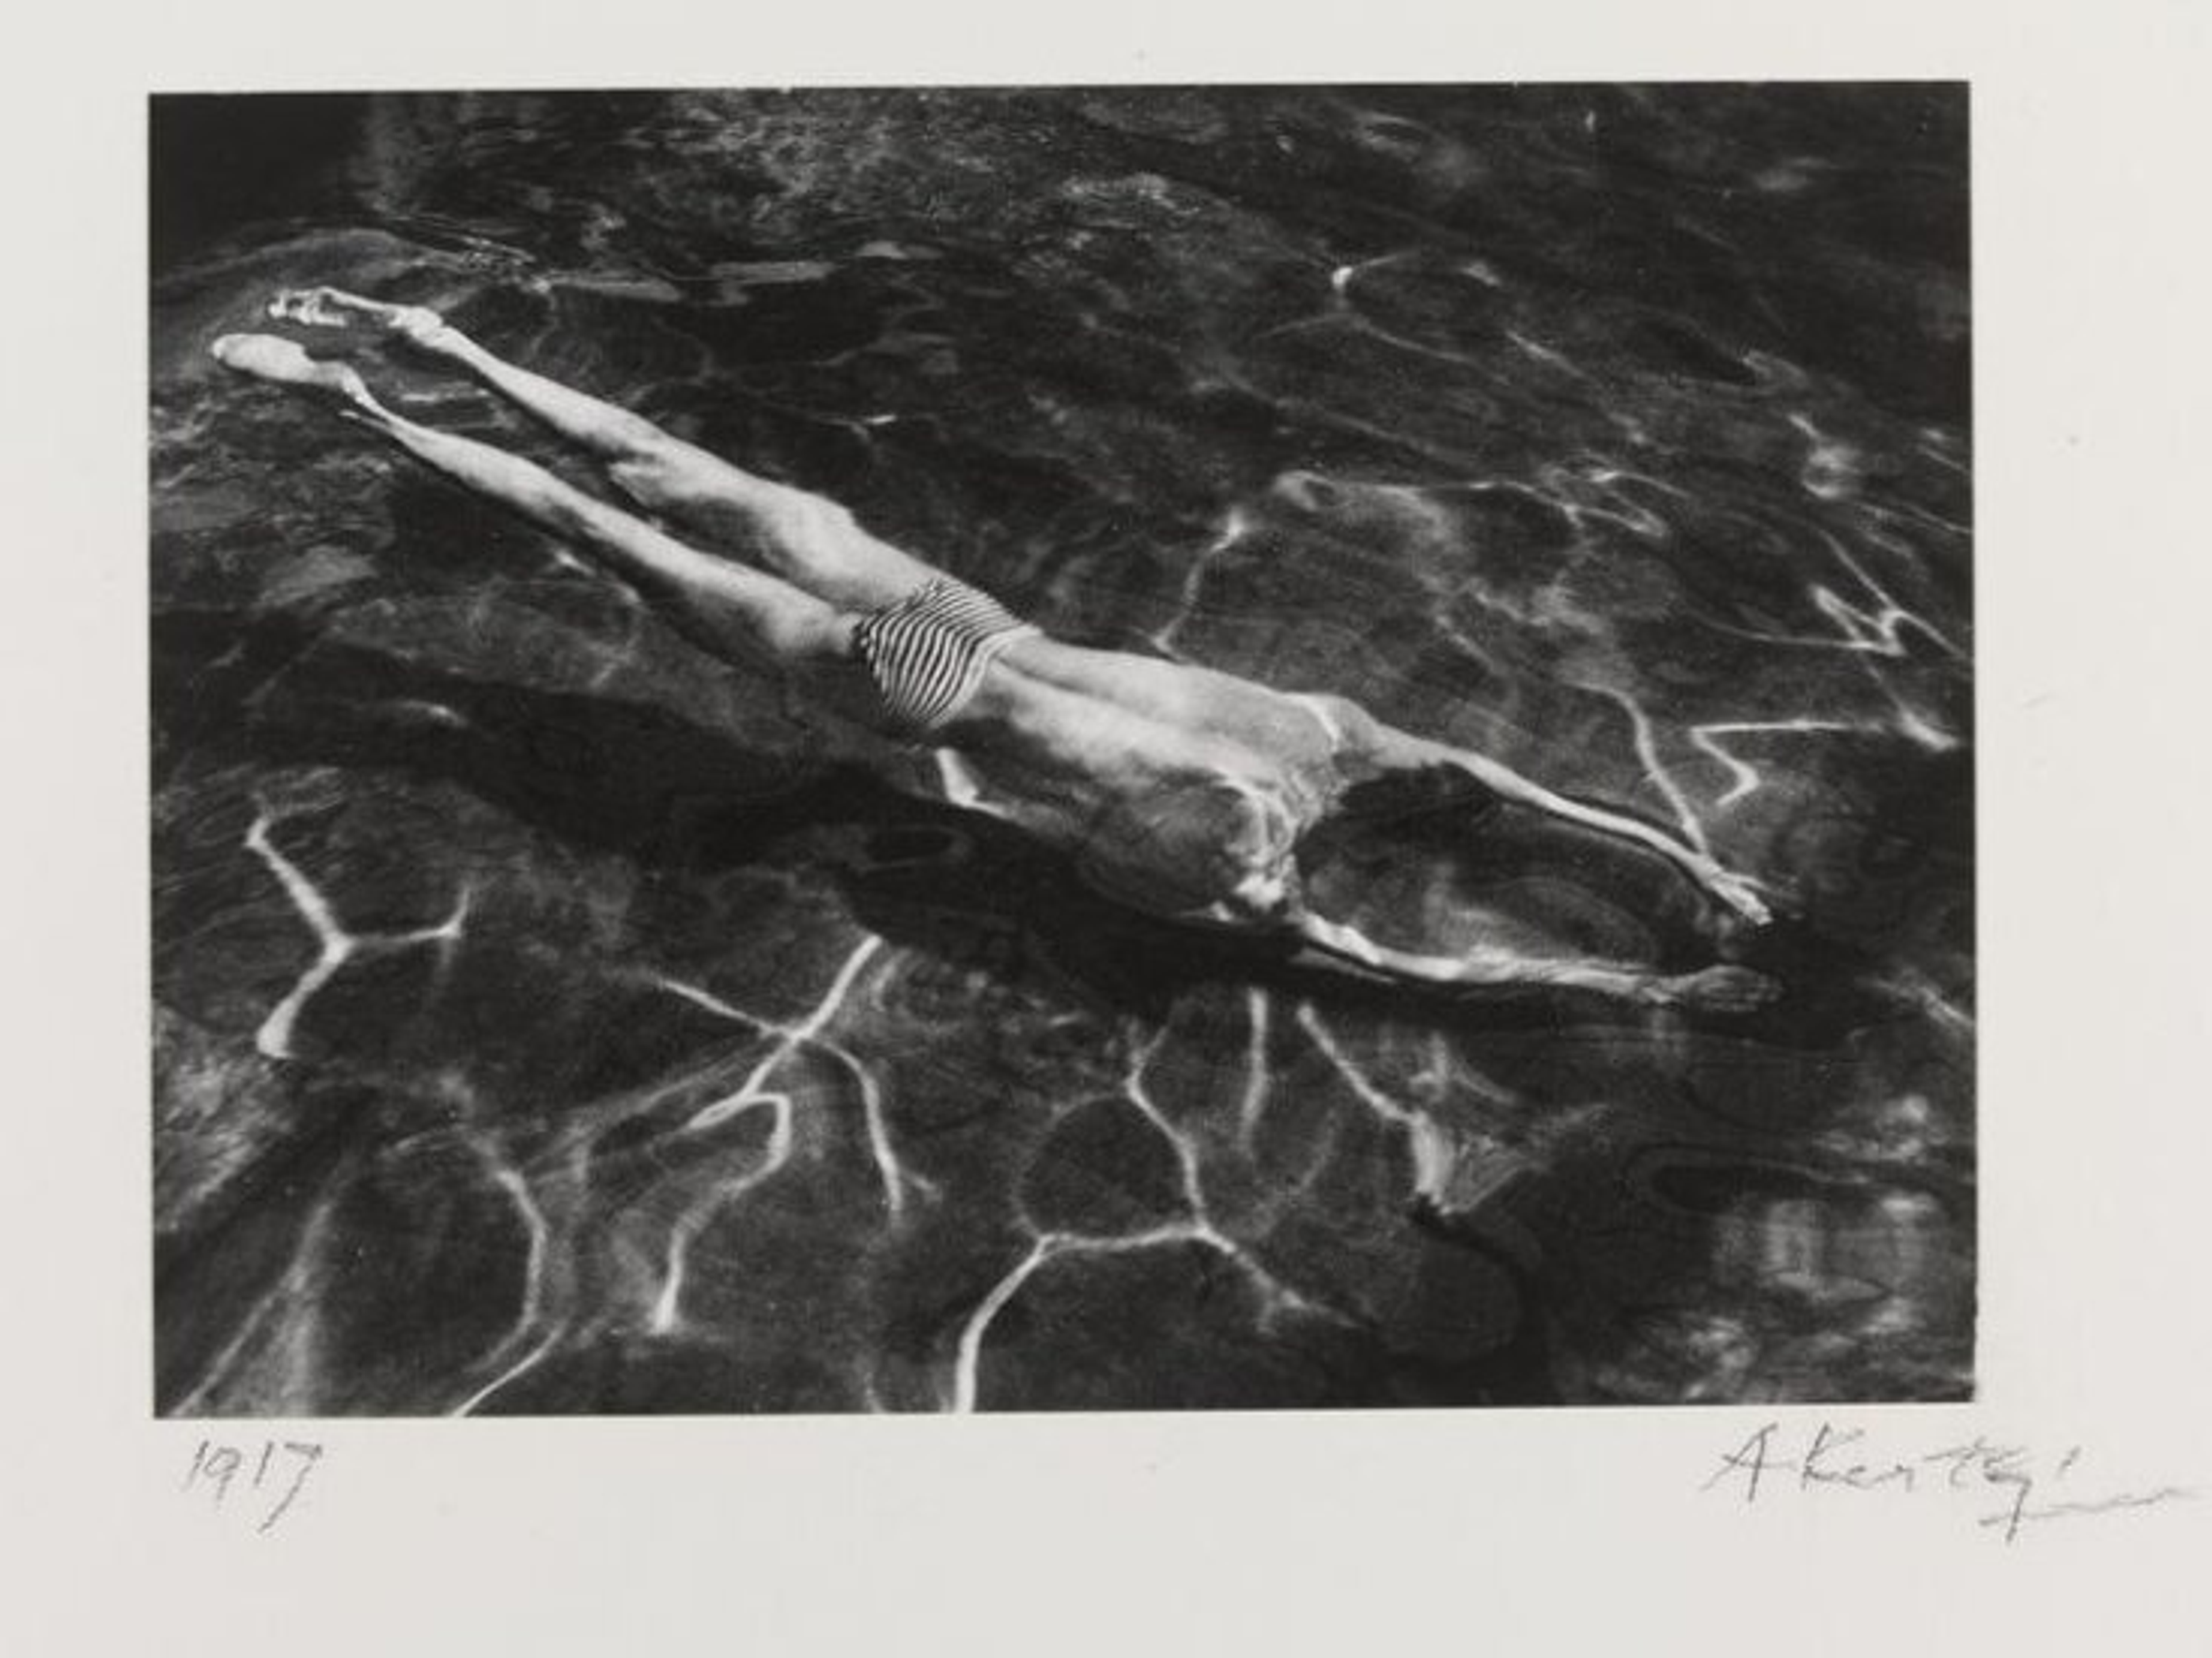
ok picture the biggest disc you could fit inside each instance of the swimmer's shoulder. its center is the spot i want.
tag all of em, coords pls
(1346, 724)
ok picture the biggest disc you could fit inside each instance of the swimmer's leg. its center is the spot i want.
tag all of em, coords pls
(739, 614)
(808, 540)
(1722, 989)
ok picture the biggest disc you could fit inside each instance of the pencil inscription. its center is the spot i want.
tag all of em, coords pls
(266, 1481)
(2012, 1487)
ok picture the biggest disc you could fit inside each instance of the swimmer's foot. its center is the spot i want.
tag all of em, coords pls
(282, 363)
(332, 307)
(1723, 989)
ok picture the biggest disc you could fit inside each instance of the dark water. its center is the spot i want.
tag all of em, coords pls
(543, 1025)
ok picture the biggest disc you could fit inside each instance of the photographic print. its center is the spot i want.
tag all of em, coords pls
(1061, 749)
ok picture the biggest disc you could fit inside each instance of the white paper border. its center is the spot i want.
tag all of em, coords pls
(1509, 1532)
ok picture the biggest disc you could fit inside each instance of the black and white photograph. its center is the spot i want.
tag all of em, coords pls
(1060, 748)
(1162, 831)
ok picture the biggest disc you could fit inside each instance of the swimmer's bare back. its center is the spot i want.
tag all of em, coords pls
(1182, 790)
(1116, 762)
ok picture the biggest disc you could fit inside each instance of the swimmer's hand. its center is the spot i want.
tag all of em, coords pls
(1739, 892)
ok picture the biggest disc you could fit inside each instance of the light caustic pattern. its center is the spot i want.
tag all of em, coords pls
(753, 1094)
(275, 1340)
(1195, 1225)
(772, 1085)
(782, 1082)
(768, 1087)
(563, 1057)
(335, 946)
(1616, 509)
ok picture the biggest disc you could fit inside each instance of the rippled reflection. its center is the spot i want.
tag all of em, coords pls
(548, 1020)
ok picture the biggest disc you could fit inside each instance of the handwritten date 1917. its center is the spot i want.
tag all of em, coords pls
(2020, 1488)
(278, 1472)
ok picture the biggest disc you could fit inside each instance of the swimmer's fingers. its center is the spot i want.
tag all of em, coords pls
(1744, 895)
(1740, 895)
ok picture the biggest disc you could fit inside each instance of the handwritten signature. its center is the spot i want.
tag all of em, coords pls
(2026, 1485)
(217, 1467)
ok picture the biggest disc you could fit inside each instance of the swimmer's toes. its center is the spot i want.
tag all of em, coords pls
(332, 307)
(319, 307)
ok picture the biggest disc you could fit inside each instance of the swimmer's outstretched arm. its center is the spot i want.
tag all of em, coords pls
(1387, 749)
(1723, 989)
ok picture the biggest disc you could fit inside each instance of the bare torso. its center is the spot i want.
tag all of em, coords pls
(1115, 756)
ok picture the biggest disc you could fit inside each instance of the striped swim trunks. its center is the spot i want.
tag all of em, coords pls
(928, 652)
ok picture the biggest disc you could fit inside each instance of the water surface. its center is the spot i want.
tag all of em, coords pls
(546, 1022)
